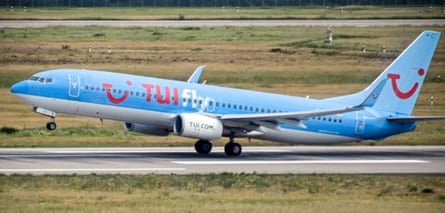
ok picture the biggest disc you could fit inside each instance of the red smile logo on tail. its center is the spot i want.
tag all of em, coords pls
(395, 87)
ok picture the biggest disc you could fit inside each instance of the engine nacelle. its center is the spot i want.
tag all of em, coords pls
(146, 129)
(198, 126)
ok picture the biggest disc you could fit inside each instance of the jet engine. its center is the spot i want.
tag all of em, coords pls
(146, 129)
(198, 126)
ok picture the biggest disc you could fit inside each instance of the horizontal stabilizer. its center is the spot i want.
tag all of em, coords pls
(408, 119)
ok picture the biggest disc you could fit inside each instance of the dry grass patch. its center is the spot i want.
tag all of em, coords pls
(222, 192)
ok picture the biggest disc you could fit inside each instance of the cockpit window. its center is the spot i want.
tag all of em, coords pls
(34, 78)
(41, 79)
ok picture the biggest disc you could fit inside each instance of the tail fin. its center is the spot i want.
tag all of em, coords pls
(405, 76)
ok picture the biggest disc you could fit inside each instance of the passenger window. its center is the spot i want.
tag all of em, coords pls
(49, 80)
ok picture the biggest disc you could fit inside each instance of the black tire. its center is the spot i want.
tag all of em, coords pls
(203, 147)
(51, 126)
(233, 149)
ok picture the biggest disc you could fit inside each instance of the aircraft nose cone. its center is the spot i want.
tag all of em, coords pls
(20, 87)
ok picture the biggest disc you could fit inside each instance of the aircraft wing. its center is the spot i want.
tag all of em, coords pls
(295, 118)
(291, 118)
(408, 119)
(287, 115)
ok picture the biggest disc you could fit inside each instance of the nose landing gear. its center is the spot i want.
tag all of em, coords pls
(51, 125)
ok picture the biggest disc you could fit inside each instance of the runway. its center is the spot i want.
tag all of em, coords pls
(184, 160)
(222, 23)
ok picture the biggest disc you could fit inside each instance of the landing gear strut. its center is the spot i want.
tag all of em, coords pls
(203, 146)
(232, 148)
(51, 125)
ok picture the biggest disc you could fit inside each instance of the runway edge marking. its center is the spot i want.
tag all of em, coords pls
(234, 162)
(93, 170)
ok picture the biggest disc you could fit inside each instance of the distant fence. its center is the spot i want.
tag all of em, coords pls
(212, 3)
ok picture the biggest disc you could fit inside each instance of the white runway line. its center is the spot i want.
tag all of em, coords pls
(92, 170)
(232, 162)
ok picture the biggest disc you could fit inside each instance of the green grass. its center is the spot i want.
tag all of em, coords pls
(183, 13)
(224, 192)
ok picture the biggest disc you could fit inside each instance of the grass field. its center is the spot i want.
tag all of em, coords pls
(182, 13)
(222, 193)
(291, 60)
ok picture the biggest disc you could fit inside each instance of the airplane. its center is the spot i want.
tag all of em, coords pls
(159, 107)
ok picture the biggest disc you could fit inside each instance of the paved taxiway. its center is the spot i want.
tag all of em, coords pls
(184, 160)
(221, 23)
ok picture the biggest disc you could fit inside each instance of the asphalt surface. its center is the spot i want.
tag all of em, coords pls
(184, 160)
(221, 23)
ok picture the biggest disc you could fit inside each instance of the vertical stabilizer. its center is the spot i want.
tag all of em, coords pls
(404, 76)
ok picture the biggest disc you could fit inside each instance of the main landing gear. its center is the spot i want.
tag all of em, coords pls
(231, 148)
(51, 125)
(203, 146)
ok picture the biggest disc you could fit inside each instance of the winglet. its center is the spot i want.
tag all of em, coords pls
(194, 78)
(374, 95)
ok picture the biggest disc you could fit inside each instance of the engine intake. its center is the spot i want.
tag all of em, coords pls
(198, 126)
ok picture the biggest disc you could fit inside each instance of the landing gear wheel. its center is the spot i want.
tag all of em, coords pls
(232, 149)
(203, 147)
(51, 126)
